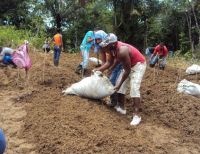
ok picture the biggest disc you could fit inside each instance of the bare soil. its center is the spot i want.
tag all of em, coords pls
(38, 119)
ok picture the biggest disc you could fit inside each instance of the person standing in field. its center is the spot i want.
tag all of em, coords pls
(134, 66)
(58, 46)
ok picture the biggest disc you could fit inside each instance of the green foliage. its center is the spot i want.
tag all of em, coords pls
(10, 36)
(184, 43)
(138, 22)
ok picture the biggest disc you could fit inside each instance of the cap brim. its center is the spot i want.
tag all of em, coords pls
(103, 44)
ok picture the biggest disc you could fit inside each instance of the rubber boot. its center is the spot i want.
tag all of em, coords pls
(83, 71)
(120, 106)
(55, 63)
(113, 100)
(121, 100)
(78, 69)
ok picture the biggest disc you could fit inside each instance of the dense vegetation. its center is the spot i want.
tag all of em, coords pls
(142, 23)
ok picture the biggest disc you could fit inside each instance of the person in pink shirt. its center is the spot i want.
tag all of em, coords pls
(159, 56)
(134, 66)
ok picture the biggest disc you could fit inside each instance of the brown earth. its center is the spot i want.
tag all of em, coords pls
(37, 118)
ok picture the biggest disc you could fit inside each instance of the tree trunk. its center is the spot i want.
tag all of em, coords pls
(196, 21)
(146, 35)
(188, 18)
(58, 20)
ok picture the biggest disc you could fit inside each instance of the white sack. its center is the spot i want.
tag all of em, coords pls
(193, 69)
(188, 87)
(95, 60)
(96, 86)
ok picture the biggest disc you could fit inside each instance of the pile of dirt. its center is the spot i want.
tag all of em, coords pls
(55, 123)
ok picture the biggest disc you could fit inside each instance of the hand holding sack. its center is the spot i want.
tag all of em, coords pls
(97, 86)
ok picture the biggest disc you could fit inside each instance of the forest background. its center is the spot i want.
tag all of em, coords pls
(142, 23)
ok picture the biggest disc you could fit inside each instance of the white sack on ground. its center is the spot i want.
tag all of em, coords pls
(96, 86)
(193, 69)
(95, 60)
(188, 87)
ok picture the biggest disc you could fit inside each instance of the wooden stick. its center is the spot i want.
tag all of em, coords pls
(17, 76)
(43, 71)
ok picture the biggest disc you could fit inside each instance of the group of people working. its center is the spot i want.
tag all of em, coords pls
(125, 64)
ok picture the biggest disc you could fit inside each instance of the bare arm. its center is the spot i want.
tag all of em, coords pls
(108, 61)
(61, 42)
(124, 58)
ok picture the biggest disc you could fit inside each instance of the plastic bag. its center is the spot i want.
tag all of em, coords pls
(95, 60)
(188, 87)
(96, 86)
(193, 69)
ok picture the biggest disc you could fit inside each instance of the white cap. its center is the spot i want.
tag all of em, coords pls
(110, 38)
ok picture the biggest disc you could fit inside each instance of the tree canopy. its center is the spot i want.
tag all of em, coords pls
(139, 22)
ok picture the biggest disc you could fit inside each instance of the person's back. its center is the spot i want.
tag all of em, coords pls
(86, 44)
(161, 50)
(57, 39)
(58, 46)
(136, 56)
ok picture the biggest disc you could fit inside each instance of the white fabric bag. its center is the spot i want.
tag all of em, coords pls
(96, 86)
(193, 69)
(188, 87)
(95, 60)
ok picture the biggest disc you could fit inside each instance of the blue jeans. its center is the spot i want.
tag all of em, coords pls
(115, 74)
(148, 53)
(155, 59)
(2, 142)
(56, 57)
(171, 53)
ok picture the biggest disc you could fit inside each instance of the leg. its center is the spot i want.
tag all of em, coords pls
(162, 63)
(78, 68)
(136, 102)
(58, 56)
(113, 100)
(85, 62)
(153, 61)
(54, 55)
(121, 94)
(113, 78)
(136, 79)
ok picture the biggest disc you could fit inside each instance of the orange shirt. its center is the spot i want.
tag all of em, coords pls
(57, 39)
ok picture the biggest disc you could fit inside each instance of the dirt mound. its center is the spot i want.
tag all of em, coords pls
(69, 124)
